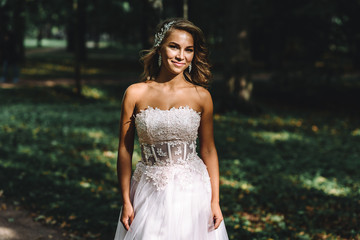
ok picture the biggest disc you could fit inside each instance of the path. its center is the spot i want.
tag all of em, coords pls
(17, 224)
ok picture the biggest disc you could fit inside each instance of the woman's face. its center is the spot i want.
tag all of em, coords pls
(177, 51)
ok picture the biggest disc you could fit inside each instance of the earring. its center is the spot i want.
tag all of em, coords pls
(159, 60)
(190, 67)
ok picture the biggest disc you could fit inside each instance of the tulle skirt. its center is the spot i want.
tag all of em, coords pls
(180, 210)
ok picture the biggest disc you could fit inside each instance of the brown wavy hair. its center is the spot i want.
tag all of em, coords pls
(200, 73)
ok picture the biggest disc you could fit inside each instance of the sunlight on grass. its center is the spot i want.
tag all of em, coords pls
(90, 71)
(259, 222)
(326, 185)
(27, 150)
(237, 184)
(92, 92)
(272, 137)
(110, 154)
(57, 43)
(356, 132)
(47, 68)
(85, 184)
(275, 120)
(36, 71)
(95, 134)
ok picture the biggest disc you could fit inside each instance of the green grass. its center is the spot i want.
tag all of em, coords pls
(55, 43)
(286, 176)
(290, 174)
(53, 62)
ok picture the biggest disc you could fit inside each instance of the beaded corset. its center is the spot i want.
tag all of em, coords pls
(168, 146)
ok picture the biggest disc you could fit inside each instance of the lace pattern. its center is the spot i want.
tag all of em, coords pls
(168, 147)
(160, 176)
(176, 124)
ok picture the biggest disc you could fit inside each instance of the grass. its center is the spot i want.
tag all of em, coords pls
(284, 175)
(52, 61)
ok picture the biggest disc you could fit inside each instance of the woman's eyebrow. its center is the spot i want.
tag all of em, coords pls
(179, 44)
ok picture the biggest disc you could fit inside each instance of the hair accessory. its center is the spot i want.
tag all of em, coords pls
(159, 60)
(159, 36)
(190, 66)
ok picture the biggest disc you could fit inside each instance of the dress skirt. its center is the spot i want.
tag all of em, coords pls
(178, 207)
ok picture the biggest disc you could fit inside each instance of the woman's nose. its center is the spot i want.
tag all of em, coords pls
(180, 55)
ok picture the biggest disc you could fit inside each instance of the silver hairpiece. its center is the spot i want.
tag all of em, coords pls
(161, 34)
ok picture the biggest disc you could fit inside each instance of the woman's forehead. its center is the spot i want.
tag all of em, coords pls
(180, 37)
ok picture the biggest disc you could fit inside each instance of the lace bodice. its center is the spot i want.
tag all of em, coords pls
(168, 144)
(177, 124)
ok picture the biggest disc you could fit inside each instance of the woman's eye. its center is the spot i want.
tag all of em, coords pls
(190, 50)
(173, 46)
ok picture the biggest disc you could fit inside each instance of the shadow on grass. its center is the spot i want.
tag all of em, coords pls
(283, 178)
(58, 156)
(288, 175)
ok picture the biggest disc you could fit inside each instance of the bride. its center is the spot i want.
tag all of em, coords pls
(173, 194)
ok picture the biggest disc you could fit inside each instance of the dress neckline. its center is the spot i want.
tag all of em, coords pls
(150, 108)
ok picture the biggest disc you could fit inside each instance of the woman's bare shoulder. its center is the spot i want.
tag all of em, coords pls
(203, 98)
(137, 87)
(202, 93)
(136, 90)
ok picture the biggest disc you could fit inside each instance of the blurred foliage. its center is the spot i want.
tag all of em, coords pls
(285, 174)
(110, 62)
(295, 40)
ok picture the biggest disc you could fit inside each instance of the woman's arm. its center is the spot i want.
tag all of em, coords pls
(209, 155)
(125, 151)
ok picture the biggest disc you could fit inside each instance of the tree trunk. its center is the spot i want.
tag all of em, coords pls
(39, 37)
(70, 39)
(81, 28)
(19, 28)
(4, 22)
(96, 40)
(237, 61)
(69, 25)
(80, 41)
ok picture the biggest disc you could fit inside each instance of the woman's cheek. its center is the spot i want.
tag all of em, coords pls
(190, 57)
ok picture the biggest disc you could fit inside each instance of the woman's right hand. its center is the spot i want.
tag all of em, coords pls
(127, 215)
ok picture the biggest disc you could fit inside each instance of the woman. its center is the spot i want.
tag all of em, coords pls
(173, 194)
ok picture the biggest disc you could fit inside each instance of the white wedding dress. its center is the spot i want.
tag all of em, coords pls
(170, 188)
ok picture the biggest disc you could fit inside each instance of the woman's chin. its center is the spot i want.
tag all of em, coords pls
(176, 71)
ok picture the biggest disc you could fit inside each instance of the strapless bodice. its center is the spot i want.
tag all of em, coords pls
(167, 136)
(158, 126)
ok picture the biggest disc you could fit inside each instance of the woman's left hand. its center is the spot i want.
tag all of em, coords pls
(217, 215)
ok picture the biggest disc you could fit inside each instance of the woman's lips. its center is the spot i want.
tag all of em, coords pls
(178, 64)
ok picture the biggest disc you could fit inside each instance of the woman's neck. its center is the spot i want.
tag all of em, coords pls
(170, 79)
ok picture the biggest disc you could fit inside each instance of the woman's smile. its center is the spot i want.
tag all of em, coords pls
(178, 64)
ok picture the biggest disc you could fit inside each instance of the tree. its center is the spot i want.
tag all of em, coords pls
(80, 41)
(237, 53)
(12, 16)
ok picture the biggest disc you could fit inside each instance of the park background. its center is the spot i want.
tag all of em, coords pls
(286, 93)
